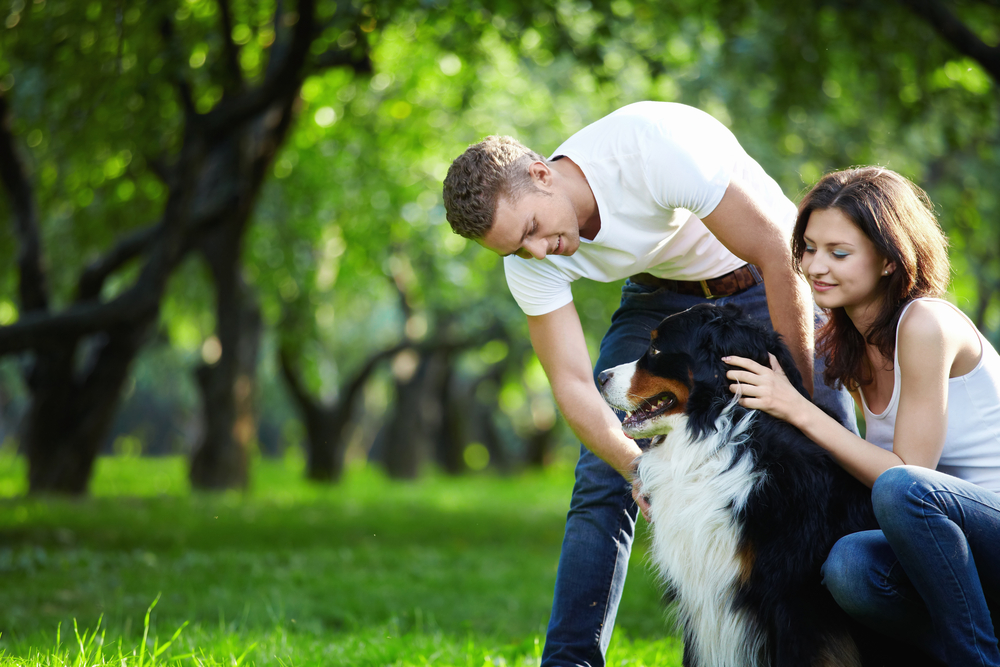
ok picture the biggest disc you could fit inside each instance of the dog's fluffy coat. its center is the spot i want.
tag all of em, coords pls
(744, 507)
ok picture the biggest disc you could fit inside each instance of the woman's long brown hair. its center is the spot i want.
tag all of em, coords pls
(898, 218)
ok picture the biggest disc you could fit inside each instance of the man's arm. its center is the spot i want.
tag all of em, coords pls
(559, 343)
(750, 234)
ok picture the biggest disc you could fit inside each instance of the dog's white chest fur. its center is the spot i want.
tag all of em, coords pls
(694, 490)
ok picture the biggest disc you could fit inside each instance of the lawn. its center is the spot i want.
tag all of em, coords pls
(444, 571)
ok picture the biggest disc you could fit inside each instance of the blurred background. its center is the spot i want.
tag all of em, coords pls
(222, 230)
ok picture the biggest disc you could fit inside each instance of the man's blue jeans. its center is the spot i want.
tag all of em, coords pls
(931, 576)
(601, 520)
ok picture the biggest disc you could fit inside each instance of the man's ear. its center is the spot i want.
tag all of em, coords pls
(540, 172)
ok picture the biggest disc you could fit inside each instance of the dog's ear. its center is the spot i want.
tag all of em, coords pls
(745, 337)
(728, 333)
(718, 335)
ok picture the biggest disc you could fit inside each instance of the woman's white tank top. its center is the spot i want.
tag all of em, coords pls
(972, 443)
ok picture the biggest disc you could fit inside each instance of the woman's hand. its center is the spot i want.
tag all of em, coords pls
(766, 389)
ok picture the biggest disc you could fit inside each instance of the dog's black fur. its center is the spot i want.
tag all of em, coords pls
(803, 504)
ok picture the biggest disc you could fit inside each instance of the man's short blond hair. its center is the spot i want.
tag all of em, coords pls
(495, 167)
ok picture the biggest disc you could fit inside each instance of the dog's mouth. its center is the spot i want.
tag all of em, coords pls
(650, 408)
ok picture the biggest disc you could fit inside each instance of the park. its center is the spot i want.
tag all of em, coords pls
(260, 405)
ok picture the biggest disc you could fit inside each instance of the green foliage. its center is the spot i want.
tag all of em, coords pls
(445, 572)
(350, 252)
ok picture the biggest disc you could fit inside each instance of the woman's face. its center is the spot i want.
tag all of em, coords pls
(841, 264)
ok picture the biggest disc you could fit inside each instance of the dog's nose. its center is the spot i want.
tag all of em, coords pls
(604, 376)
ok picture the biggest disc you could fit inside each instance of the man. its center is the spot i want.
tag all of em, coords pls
(661, 194)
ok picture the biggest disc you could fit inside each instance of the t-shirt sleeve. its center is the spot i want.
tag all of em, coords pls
(539, 287)
(690, 167)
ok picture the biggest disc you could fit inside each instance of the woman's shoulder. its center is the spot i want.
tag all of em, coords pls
(930, 325)
(929, 319)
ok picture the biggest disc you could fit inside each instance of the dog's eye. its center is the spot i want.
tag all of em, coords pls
(653, 352)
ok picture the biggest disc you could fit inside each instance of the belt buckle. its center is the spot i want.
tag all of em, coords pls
(706, 290)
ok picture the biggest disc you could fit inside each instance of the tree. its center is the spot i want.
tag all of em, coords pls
(218, 149)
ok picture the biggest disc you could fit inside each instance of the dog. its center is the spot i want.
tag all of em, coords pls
(744, 507)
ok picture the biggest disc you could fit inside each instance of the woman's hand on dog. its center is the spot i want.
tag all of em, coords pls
(763, 388)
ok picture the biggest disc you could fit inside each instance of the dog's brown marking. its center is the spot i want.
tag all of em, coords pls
(838, 651)
(747, 557)
(645, 386)
(653, 334)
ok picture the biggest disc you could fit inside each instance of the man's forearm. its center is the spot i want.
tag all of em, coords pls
(790, 305)
(598, 428)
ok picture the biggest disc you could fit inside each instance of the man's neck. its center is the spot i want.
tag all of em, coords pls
(580, 195)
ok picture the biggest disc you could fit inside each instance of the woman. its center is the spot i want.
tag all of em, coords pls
(929, 384)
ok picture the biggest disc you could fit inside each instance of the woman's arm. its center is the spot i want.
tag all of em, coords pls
(927, 349)
(768, 389)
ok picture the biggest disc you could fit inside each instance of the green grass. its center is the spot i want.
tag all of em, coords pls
(444, 571)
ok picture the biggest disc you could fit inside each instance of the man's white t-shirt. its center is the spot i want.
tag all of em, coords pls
(656, 169)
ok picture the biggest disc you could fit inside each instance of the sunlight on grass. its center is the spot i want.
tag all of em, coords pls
(368, 572)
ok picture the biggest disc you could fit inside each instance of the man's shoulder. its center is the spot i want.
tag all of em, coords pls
(641, 127)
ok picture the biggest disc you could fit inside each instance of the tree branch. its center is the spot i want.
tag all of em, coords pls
(33, 288)
(230, 49)
(281, 81)
(337, 58)
(36, 329)
(92, 279)
(956, 33)
(183, 87)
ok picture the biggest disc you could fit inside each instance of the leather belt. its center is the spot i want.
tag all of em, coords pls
(729, 284)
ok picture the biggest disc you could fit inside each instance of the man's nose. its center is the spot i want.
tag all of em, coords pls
(537, 248)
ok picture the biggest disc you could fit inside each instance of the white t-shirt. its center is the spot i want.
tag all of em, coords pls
(972, 441)
(655, 169)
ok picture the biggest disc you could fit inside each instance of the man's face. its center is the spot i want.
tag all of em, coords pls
(541, 222)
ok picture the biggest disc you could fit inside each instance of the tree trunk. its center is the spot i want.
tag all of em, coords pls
(326, 425)
(221, 459)
(70, 412)
(458, 405)
(403, 444)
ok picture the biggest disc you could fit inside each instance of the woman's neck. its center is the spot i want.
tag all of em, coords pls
(863, 315)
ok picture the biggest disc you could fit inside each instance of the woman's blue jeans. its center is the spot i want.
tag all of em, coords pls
(601, 520)
(931, 576)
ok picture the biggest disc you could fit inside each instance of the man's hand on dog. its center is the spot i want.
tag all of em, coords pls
(641, 499)
(762, 388)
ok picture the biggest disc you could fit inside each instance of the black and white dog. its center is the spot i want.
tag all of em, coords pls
(744, 507)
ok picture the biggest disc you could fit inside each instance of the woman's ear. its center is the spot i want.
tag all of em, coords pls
(888, 268)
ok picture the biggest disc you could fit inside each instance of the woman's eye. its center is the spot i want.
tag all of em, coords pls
(809, 249)
(840, 254)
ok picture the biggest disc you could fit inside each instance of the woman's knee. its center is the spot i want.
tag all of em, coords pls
(850, 572)
(894, 488)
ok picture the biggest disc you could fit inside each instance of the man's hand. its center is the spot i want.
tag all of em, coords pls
(641, 499)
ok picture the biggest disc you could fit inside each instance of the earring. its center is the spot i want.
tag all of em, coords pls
(886, 272)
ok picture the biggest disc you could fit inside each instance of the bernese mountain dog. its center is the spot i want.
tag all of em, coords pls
(744, 507)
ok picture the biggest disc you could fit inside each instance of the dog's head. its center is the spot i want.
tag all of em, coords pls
(682, 372)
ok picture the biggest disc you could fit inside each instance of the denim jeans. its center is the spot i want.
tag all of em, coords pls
(601, 520)
(931, 576)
